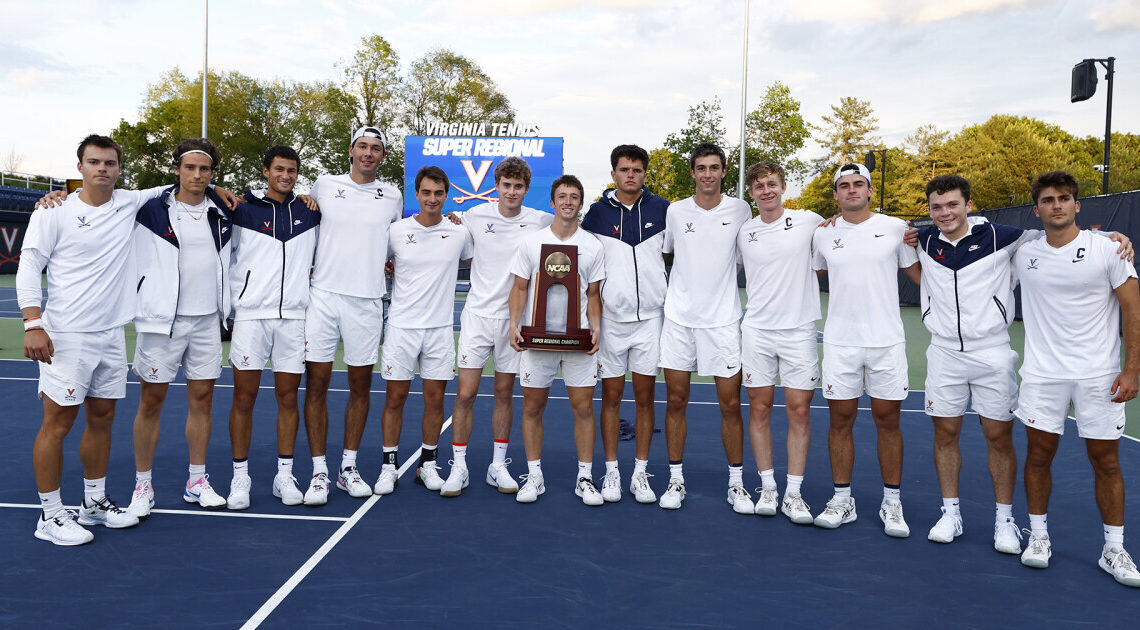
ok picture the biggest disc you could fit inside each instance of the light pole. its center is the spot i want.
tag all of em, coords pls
(869, 162)
(743, 106)
(1083, 87)
(205, 61)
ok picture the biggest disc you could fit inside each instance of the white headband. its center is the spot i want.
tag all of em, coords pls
(185, 153)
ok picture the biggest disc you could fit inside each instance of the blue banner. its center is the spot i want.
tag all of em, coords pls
(470, 162)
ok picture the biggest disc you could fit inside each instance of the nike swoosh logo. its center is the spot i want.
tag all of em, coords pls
(787, 227)
(446, 235)
(1120, 427)
(729, 223)
(878, 235)
(972, 248)
(1077, 260)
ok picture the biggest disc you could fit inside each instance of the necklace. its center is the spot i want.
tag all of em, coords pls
(186, 209)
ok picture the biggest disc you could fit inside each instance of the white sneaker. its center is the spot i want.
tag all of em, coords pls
(499, 477)
(62, 529)
(586, 489)
(891, 513)
(611, 486)
(838, 512)
(142, 500)
(739, 499)
(948, 527)
(674, 495)
(796, 509)
(1038, 551)
(318, 492)
(456, 481)
(104, 512)
(285, 488)
(1007, 537)
(767, 501)
(1120, 565)
(387, 480)
(351, 482)
(239, 492)
(639, 486)
(532, 487)
(427, 475)
(202, 493)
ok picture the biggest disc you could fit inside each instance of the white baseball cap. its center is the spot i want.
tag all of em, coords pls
(852, 168)
(369, 132)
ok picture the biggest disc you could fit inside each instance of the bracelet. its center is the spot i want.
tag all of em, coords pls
(33, 324)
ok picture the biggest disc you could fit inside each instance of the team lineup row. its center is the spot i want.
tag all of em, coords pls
(304, 274)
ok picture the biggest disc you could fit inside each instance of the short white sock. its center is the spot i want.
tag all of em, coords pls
(534, 467)
(241, 468)
(141, 476)
(892, 494)
(197, 471)
(51, 503)
(500, 452)
(285, 465)
(951, 506)
(94, 489)
(459, 454)
(794, 483)
(585, 470)
(611, 466)
(639, 465)
(320, 465)
(1039, 524)
(1003, 513)
(735, 474)
(1113, 537)
(843, 491)
(348, 459)
(676, 473)
(768, 478)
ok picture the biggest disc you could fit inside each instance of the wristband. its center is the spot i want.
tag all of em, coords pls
(33, 324)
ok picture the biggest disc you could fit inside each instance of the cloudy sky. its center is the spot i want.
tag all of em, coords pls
(596, 72)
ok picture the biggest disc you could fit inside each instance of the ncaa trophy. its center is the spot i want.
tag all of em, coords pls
(552, 326)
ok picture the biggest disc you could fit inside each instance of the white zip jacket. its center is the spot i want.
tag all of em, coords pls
(155, 245)
(273, 246)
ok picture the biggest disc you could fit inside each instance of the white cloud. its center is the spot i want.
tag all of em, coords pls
(1115, 15)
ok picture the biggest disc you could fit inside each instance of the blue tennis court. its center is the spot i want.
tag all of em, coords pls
(414, 559)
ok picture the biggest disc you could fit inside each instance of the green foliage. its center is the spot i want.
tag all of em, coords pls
(846, 133)
(659, 175)
(705, 124)
(444, 86)
(776, 131)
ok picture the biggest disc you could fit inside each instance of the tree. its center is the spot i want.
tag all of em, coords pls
(12, 161)
(1124, 167)
(846, 132)
(705, 124)
(776, 130)
(444, 86)
(372, 76)
(659, 175)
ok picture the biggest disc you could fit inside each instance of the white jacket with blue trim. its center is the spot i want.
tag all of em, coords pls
(273, 247)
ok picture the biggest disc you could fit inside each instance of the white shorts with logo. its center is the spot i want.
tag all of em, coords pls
(195, 343)
(1044, 405)
(849, 370)
(707, 351)
(792, 352)
(480, 338)
(986, 375)
(332, 317)
(629, 346)
(280, 341)
(432, 348)
(537, 368)
(85, 364)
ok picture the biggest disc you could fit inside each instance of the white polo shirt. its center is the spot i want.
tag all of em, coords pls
(783, 290)
(90, 269)
(1072, 316)
(427, 263)
(862, 262)
(496, 240)
(591, 268)
(702, 289)
(353, 243)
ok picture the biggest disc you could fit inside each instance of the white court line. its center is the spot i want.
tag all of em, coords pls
(292, 517)
(275, 600)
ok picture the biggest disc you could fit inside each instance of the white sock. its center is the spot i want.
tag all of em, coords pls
(892, 494)
(1003, 513)
(285, 465)
(735, 474)
(500, 454)
(197, 471)
(142, 476)
(768, 478)
(1113, 537)
(586, 470)
(951, 506)
(611, 466)
(843, 491)
(348, 459)
(51, 503)
(794, 483)
(320, 465)
(94, 489)
(459, 454)
(1039, 524)
(675, 472)
(534, 467)
(241, 468)
(639, 465)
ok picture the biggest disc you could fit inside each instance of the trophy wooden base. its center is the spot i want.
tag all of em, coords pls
(576, 340)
